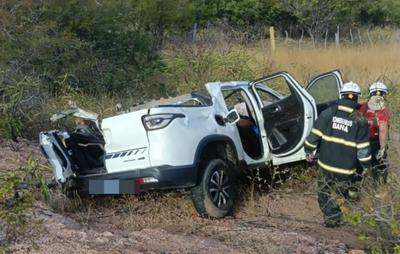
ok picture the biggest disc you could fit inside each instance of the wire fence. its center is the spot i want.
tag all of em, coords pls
(340, 36)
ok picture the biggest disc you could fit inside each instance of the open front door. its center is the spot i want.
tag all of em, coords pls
(288, 114)
(325, 89)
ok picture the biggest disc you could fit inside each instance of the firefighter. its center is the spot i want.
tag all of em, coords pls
(340, 136)
(378, 117)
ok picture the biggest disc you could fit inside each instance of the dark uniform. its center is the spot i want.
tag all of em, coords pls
(341, 136)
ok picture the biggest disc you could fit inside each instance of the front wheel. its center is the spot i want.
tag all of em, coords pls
(215, 195)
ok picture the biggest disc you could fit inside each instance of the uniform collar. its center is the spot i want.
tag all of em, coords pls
(348, 106)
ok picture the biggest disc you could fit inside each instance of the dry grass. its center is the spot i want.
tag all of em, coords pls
(361, 64)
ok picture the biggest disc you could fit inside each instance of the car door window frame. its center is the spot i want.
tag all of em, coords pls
(289, 78)
(320, 106)
(296, 88)
(254, 114)
(270, 92)
(336, 73)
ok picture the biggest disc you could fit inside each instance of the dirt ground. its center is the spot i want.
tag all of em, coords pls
(284, 220)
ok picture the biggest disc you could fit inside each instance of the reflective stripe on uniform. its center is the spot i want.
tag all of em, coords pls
(335, 169)
(317, 132)
(339, 141)
(363, 145)
(309, 144)
(345, 109)
(365, 159)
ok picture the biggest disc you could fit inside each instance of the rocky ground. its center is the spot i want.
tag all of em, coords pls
(285, 220)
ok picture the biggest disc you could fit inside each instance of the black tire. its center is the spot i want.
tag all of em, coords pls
(215, 195)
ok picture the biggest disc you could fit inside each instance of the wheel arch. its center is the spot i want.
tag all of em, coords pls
(216, 146)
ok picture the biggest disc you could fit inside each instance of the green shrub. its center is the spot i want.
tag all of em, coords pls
(17, 99)
(193, 66)
(377, 215)
(18, 189)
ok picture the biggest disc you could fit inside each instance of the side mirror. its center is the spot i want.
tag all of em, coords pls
(232, 117)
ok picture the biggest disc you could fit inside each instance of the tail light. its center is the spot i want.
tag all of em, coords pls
(143, 180)
(159, 121)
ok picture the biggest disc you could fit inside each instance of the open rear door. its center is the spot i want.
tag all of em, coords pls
(288, 114)
(325, 89)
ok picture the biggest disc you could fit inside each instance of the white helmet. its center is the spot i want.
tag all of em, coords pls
(351, 88)
(378, 88)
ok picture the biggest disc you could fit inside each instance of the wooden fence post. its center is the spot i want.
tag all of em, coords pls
(301, 38)
(351, 36)
(272, 38)
(369, 39)
(194, 35)
(312, 37)
(337, 38)
(326, 36)
(359, 36)
(262, 37)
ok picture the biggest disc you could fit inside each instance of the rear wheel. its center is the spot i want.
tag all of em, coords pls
(215, 195)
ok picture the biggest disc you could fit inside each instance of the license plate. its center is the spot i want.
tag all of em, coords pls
(114, 186)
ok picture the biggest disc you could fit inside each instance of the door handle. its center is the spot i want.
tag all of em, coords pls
(276, 109)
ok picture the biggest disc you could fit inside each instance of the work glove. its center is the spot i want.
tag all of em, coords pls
(380, 154)
(310, 157)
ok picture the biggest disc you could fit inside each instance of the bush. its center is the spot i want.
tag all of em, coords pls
(17, 191)
(54, 50)
(18, 99)
(194, 65)
(377, 215)
(114, 53)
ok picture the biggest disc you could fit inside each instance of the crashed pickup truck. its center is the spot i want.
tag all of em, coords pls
(198, 141)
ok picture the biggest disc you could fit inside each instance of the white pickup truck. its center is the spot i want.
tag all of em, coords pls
(198, 141)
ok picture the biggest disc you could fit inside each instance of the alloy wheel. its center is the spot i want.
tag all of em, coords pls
(219, 188)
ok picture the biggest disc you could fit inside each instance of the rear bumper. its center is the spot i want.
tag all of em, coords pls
(127, 182)
(140, 180)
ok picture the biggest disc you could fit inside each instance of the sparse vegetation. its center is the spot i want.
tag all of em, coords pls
(377, 213)
(53, 53)
(18, 190)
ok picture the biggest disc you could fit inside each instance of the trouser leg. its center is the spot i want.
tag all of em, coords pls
(327, 203)
(379, 167)
(347, 186)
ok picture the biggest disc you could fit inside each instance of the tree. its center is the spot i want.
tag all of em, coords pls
(314, 16)
(162, 17)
